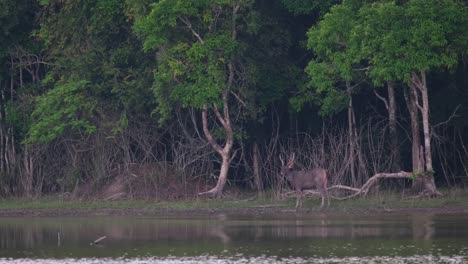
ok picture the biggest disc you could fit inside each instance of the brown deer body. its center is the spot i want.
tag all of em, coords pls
(306, 180)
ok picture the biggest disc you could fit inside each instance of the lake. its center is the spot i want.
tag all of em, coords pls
(224, 238)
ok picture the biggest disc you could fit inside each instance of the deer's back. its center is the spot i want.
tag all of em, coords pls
(308, 179)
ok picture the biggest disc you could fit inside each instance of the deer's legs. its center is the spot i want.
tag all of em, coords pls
(298, 199)
(324, 194)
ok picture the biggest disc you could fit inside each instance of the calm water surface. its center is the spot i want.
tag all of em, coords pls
(386, 238)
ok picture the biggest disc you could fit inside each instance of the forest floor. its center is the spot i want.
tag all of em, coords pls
(453, 201)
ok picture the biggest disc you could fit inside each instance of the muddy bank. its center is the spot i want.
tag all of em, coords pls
(260, 210)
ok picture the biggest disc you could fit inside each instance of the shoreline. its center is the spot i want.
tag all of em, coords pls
(453, 202)
(248, 211)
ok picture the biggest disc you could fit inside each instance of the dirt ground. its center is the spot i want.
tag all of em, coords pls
(276, 211)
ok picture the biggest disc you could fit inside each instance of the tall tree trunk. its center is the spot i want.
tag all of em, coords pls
(351, 132)
(224, 152)
(223, 118)
(425, 120)
(2, 132)
(27, 175)
(4, 165)
(419, 84)
(390, 105)
(7, 140)
(416, 148)
(411, 102)
(256, 169)
(392, 123)
(223, 174)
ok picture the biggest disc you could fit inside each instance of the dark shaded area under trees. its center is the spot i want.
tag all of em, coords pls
(172, 98)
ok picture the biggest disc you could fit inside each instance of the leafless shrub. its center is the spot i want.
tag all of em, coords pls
(452, 155)
(329, 150)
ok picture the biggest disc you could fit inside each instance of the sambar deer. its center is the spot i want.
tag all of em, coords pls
(305, 180)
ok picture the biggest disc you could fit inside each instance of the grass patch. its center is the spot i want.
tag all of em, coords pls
(51, 202)
(454, 198)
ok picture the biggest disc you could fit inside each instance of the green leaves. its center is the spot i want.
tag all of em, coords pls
(166, 18)
(93, 41)
(302, 7)
(388, 40)
(194, 72)
(419, 35)
(334, 44)
(194, 43)
(323, 93)
(64, 107)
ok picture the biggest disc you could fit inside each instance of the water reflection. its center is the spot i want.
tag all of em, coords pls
(281, 236)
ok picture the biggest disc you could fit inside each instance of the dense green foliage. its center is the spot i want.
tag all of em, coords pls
(94, 90)
(194, 45)
(419, 35)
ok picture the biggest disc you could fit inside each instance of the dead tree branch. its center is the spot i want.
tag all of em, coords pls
(372, 180)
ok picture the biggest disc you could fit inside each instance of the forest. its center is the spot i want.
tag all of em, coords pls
(173, 99)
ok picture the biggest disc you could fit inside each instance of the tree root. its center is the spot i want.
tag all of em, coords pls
(215, 192)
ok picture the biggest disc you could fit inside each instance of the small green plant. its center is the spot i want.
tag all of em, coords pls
(419, 173)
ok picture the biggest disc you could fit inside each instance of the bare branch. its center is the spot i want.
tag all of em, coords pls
(207, 132)
(339, 186)
(235, 9)
(233, 155)
(194, 122)
(381, 98)
(454, 114)
(416, 96)
(365, 188)
(416, 81)
(218, 115)
(189, 26)
(239, 99)
(213, 23)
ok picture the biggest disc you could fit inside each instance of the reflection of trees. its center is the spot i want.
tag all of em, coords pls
(30, 233)
(422, 226)
(218, 231)
(320, 228)
(27, 235)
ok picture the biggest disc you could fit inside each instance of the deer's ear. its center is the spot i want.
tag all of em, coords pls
(290, 165)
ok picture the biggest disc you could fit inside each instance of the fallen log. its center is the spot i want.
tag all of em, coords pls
(97, 241)
(373, 180)
(366, 187)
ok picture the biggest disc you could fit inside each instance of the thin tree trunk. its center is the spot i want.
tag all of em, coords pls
(351, 131)
(425, 119)
(411, 101)
(419, 82)
(2, 131)
(425, 178)
(392, 123)
(225, 152)
(223, 174)
(28, 173)
(417, 158)
(256, 169)
(224, 119)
